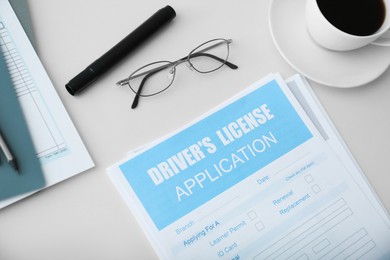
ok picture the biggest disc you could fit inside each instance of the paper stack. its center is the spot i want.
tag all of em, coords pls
(264, 175)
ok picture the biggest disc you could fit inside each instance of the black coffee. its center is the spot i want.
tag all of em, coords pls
(357, 17)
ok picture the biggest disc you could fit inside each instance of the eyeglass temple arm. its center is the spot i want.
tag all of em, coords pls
(137, 95)
(141, 86)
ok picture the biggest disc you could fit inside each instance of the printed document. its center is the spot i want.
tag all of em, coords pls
(57, 143)
(263, 176)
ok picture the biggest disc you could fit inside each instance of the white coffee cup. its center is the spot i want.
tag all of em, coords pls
(327, 35)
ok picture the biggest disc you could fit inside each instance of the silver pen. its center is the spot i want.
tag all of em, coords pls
(8, 155)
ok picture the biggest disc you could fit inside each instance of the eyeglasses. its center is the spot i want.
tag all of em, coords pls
(156, 77)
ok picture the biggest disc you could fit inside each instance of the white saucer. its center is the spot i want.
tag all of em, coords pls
(336, 69)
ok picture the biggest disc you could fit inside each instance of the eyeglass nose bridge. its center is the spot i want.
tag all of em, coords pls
(184, 60)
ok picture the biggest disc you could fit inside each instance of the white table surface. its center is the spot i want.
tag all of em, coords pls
(85, 217)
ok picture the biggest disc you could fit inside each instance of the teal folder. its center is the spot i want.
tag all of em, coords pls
(15, 132)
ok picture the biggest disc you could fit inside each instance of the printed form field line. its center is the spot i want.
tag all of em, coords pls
(362, 251)
(349, 246)
(218, 209)
(330, 213)
(318, 232)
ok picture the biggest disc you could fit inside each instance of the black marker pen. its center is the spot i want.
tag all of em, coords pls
(120, 50)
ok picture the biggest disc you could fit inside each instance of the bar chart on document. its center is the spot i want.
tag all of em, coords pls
(47, 138)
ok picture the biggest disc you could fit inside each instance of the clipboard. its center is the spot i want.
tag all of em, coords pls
(14, 129)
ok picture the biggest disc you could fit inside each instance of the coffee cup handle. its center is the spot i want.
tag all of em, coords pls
(384, 40)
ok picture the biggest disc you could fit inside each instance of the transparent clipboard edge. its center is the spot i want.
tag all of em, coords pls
(302, 90)
(47, 138)
(64, 162)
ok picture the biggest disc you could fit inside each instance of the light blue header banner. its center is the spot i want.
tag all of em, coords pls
(195, 165)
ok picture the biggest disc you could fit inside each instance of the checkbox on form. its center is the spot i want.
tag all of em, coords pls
(309, 178)
(316, 188)
(252, 215)
(259, 226)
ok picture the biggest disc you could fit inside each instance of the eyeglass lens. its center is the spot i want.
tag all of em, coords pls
(156, 77)
(209, 56)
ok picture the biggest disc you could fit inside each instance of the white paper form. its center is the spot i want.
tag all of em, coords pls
(276, 190)
(57, 143)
